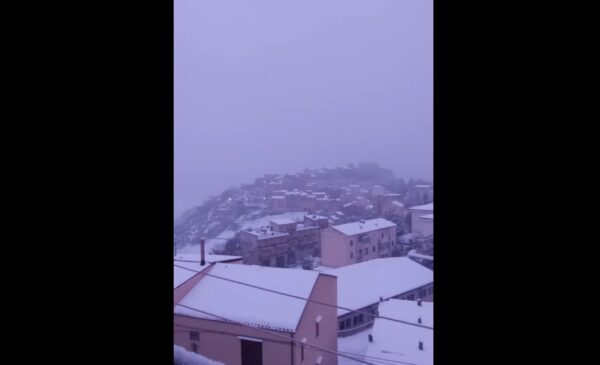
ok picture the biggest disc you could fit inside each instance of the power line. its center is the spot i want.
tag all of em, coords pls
(308, 299)
(285, 337)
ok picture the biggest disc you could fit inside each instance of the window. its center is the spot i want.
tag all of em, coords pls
(411, 297)
(194, 347)
(360, 318)
(194, 335)
(381, 234)
(392, 243)
(360, 251)
(423, 293)
(351, 255)
(348, 323)
(351, 243)
(373, 248)
(355, 320)
(342, 325)
(302, 352)
(317, 329)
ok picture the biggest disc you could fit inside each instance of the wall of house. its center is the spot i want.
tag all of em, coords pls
(220, 341)
(335, 249)
(415, 221)
(325, 291)
(423, 226)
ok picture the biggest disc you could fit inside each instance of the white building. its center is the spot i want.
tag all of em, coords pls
(362, 286)
(422, 219)
(399, 342)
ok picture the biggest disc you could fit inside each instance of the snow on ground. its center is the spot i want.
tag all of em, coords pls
(184, 357)
(355, 344)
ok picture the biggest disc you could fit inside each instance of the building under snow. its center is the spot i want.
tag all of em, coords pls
(349, 243)
(395, 342)
(284, 243)
(422, 219)
(222, 319)
(362, 286)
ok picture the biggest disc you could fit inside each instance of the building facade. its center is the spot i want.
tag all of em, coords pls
(239, 325)
(350, 243)
(284, 243)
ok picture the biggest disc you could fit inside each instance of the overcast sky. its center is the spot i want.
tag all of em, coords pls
(274, 86)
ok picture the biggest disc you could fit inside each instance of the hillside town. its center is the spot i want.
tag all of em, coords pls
(330, 266)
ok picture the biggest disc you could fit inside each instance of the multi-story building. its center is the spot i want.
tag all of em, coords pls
(363, 286)
(237, 324)
(284, 243)
(354, 242)
(422, 219)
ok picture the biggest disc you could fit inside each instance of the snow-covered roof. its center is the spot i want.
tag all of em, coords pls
(315, 216)
(281, 221)
(427, 216)
(396, 341)
(351, 229)
(423, 207)
(398, 204)
(278, 197)
(423, 186)
(195, 257)
(249, 305)
(181, 275)
(413, 253)
(385, 277)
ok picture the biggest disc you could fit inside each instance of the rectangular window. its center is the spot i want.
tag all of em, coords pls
(348, 324)
(194, 347)
(360, 318)
(317, 330)
(351, 255)
(360, 251)
(351, 243)
(302, 352)
(423, 293)
(194, 335)
(411, 297)
(355, 320)
(373, 248)
(342, 325)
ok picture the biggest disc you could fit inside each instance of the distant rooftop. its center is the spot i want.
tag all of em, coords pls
(427, 216)
(281, 221)
(423, 186)
(351, 229)
(423, 207)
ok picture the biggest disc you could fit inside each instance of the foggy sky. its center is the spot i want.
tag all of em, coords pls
(274, 86)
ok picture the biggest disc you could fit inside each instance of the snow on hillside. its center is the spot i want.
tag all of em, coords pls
(184, 357)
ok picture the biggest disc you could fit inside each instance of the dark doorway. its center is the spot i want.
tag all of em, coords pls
(251, 352)
(280, 262)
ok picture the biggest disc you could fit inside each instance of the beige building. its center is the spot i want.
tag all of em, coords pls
(238, 324)
(350, 243)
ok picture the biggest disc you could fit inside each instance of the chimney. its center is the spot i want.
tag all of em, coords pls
(420, 345)
(202, 262)
(419, 302)
(370, 337)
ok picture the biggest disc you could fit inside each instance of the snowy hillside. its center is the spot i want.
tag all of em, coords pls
(183, 357)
